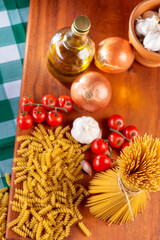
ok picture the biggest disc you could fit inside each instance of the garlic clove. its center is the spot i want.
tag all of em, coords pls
(158, 27)
(86, 166)
(144, 26)
(152, 41)
(149, 14)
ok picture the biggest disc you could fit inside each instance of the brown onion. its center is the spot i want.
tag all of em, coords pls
(114, 55)
(91, 91)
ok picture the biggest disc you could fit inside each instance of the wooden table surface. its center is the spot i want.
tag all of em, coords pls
(135, 96)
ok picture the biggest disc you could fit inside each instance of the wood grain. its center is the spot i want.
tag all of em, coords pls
(135, 96)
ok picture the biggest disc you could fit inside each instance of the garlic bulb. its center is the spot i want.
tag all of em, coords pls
(152, 41)
(144, 26)
(149, 14)
(85, 130)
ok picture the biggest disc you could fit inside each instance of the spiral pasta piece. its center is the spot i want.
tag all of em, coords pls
(84, 229)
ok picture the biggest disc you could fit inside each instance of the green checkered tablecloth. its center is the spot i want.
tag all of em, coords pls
(13, 23)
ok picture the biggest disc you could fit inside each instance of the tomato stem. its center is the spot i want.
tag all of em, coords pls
(118, 123)
(49, 101)
(114, 130)
(44, 105)
(68, 103)
(110, 153)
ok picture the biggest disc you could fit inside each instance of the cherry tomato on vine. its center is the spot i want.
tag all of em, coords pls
(65, 101)
(99, 146)
(131, 132)
(26, 100)
(54, 118)
(38, 114)
(115, 140)
(49, 100)
(116, 122)
(24, 121)
(101, 162)
(126, 144)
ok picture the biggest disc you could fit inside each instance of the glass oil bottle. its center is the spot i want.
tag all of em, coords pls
(71, 51)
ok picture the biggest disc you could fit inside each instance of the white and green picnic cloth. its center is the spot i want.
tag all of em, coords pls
(13, 23)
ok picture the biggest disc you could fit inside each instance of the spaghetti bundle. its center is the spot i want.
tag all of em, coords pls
(121, 193)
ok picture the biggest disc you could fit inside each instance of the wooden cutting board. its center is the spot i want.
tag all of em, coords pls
(135, 96)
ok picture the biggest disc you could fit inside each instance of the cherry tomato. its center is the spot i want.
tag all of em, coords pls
(24, 121)
(116, 122)
(131, 132)
(24, 100)
(99, 146)
(65, 101)
(54, 118)
(126, 144)
(115, 140)
(38, 114)
(101, 162)
(49, 100)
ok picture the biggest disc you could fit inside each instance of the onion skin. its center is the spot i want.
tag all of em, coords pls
(91, 91)
(114, 55)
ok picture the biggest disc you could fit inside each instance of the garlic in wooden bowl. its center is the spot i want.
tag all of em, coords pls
(152, 41)
(145, 18)
(144, 26)
(147, 28)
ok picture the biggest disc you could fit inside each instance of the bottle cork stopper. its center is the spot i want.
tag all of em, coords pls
(81, 25)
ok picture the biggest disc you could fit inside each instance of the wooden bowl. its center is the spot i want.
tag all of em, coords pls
(142, 55)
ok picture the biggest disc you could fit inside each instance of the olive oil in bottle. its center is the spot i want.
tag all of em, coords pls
(71, 51)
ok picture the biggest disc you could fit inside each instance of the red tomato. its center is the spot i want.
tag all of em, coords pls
(65, 101)
(99, 146)
(24, 100)
(49, 100)
(101, 162)
(126, 144)
(38, 114)
(24, 121)
(131, 132)
(115, 140)
(54, 118)
(116, 122)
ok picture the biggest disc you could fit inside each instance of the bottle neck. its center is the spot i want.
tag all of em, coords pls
(75, 41)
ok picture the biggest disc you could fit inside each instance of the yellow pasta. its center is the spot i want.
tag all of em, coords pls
(84, 229)
(25, 144)
(49, 168)
(78, 214)
(57, 131)
(27, 137)
(3, 190)
(42, 130)
(48, 141)
(39, 230)
(20, 179)
(28, 232)
(38, 135)
(19, 232)
(120, 194)
(48, 158)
